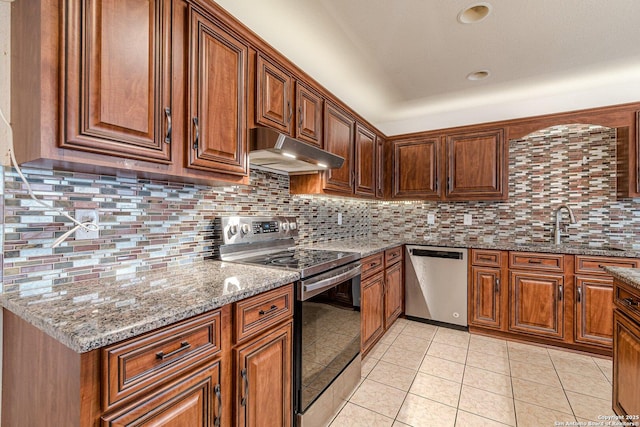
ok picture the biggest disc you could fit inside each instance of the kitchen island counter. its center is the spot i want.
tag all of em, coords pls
(630, 276)
(94, 313)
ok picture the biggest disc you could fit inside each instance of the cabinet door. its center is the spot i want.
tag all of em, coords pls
(309, 107)
(218, 129)
(338, 139)
(476, 166)
(537, 304)
(626, 365)
(118, 78)
(372, 311)
(484, 297)
(380, 168)
(415, 169)
(274, 104)
(594, 310)
(190, 402)
(264, 380)
(393, 294)
(365, 162)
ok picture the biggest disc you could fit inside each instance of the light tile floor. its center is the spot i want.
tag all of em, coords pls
(423, 375)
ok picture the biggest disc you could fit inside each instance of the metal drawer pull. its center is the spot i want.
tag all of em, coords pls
(245, 380)
(497, 285)
(560, 291)
(579, 294)
(300, 117)
(535, 261)
(167, 137)
(216, 390)
(485, 257)
(184, 345)
(631, 302)
(601, 266)
(290, 112)
(272, 309)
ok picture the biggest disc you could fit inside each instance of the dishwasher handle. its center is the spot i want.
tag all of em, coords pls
(430, 253)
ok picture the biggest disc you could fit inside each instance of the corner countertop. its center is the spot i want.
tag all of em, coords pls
(94, 313)
(630, 276)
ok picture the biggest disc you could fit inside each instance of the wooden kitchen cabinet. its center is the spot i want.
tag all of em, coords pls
(218, 126)
(365, 162)
(263, 359)
(476, 166)
(487, 301)
(393, 294)
(191, 402)
(152, 89)
(537, 304)
(372, 311)
(274, 96)
(339, 130)
(309, 109)
(415, 169)
(263, 396)
(594, 306)
(118, 79)
(626, 349)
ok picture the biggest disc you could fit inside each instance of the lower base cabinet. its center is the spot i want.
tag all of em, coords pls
(393, 294)
(626, 366)
(263, 396)
(193, 401)
(372, 311)
(180, 375)
(594, 305)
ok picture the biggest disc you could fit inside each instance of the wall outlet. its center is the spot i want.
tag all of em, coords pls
(431, 219)
(87, 215)
(468, 219)
(339, 218)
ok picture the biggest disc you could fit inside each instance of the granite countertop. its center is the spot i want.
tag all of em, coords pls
(369, 246)
(91, 314)
(630, 276)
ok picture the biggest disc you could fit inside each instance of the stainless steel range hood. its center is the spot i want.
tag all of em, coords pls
(280, 153)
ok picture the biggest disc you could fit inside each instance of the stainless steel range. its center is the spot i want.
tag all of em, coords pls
(326, 315)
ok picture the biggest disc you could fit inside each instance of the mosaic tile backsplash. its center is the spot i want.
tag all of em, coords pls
(148, 224)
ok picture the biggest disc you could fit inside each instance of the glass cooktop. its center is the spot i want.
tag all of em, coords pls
(305, 261)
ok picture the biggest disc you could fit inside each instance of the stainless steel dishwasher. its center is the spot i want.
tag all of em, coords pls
(436, 284)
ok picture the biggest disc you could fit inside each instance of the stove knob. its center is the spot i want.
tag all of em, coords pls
(246, 228)
(233, 229)
(293, 225)
(285, 226)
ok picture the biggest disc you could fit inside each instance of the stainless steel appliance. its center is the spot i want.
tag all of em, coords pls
(326, 344)
(277, 152)
(436, 284)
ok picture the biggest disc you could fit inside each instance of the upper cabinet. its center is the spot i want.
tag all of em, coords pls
(153, 88)
(274, 96)
(217, 95)
(415, 169)
(339, 130)
(456, 167)
(476, 166)
(309, 106)
(365, 162)
(118, 83)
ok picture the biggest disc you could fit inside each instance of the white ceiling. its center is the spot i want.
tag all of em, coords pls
(402, 64)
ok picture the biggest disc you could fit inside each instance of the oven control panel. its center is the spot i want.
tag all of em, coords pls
(248, 229)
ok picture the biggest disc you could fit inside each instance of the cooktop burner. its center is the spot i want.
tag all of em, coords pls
(305, 261)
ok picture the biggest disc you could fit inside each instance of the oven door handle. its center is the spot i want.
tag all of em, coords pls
(314, 288)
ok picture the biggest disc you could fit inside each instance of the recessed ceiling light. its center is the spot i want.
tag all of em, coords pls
(478, 75)
(474, 13)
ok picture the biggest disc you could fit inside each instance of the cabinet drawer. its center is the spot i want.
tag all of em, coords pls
(254, 315)
(145, 362)
(595, 264)
(535, 261)
(627, 299)
(372, 264)
(393, 255)
(485, 258)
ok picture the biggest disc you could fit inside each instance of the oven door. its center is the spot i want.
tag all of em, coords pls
(327, 320)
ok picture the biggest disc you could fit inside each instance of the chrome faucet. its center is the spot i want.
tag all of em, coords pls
(557, 232)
